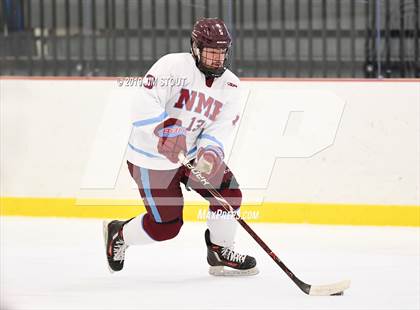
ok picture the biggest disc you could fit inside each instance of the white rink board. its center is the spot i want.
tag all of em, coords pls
(48, 129)
(60, 264)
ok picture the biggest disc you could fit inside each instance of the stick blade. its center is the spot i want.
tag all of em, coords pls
(329, 289)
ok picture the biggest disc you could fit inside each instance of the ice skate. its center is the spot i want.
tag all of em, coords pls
(224, 261)
(115, 246)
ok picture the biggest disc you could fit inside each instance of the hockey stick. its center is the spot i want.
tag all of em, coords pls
(314, 290)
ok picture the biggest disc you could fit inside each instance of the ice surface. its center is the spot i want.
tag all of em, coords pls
(60, 264)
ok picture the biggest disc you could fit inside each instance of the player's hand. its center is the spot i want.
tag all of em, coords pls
(209, 161)
(172, 139)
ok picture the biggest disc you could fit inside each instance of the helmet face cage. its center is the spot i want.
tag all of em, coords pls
(210, 33)
(200, 59)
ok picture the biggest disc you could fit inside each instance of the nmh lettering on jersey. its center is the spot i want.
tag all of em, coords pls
(189, 100)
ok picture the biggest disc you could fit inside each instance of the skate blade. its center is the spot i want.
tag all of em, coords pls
(230, 272)
(105, 232)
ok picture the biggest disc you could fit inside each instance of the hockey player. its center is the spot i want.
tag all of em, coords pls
(196, 117)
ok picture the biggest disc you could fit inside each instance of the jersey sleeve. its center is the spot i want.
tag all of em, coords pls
(148, 109)
(148, 106)
(219, 135)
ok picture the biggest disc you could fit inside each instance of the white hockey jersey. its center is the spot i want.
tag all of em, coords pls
(175, 88)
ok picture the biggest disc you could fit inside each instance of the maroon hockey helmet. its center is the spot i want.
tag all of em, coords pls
(212, 33)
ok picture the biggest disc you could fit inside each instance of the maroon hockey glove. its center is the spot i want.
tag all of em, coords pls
(209, 160)
(172, 138)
